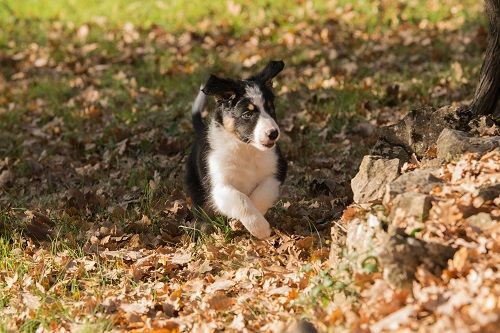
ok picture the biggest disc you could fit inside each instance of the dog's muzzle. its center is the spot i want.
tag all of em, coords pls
(272, 136)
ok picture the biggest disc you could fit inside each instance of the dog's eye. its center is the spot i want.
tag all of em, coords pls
(246, 115)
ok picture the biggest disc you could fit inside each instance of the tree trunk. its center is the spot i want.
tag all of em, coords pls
(488, 89)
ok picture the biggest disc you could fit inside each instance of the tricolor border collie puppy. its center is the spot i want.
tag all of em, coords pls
(235, 166)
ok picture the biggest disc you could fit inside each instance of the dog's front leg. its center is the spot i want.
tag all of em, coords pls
(265, 194)
(234, 204)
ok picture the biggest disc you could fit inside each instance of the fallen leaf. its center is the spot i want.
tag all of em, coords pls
(140, 307)
(31, 301)
(219, 284)
(181, 258)
(220, 302)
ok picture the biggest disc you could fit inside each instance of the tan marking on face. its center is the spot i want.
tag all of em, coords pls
(251, 107)
(228, 123)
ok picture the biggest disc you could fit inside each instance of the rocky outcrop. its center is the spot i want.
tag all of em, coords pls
(452, 143)
(421, 180)
(378, 174)
(401, 254)
(412, 204)
(396, 252)
(373, 176)
(481, 221)
(427, 134)
(418, 130)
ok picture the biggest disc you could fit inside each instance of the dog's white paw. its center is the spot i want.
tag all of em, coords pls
(260, 228)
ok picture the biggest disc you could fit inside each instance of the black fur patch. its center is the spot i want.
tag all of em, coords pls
(221, 88)
(245, 119)
(197, 182)
(272, 69)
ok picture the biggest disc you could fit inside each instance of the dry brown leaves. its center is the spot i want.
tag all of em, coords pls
(465, 295)
(99, 170)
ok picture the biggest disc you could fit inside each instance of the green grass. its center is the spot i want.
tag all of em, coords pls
(218, 223)
(241, 15)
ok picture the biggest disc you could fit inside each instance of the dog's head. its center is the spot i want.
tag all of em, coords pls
(246, 107)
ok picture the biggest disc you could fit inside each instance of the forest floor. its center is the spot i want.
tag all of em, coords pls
(96, 233)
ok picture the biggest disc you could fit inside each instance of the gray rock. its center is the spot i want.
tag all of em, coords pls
(422, 179)
(363, 236)
(388, 151)
(452, 143)
(397, 254)
(480, 221)
(420, 128)
(431, 163)
(374, 174)
(412, 204)
(401, 255)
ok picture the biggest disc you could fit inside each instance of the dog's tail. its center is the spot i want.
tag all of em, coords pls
(198, 105)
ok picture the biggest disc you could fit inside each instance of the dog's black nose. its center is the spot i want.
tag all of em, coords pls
(273, 134)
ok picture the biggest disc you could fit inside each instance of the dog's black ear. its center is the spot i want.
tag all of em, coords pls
(220, 88)
(272, 69)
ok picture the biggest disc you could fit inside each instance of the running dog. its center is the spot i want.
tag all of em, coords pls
(235, 166)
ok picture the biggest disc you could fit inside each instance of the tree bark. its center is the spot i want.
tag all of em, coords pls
(485, 100)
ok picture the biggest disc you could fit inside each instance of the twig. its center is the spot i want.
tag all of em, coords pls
(340, 226)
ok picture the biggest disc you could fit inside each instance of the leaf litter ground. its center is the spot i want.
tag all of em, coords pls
(94, 128)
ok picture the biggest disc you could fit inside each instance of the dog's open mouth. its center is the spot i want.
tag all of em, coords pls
(268, 145)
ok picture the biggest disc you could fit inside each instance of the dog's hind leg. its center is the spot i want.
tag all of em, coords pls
(265, 194)
(234, 204)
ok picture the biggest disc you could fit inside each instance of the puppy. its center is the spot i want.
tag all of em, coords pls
(235, 166)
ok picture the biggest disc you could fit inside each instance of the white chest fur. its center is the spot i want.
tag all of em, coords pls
(237, 164)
